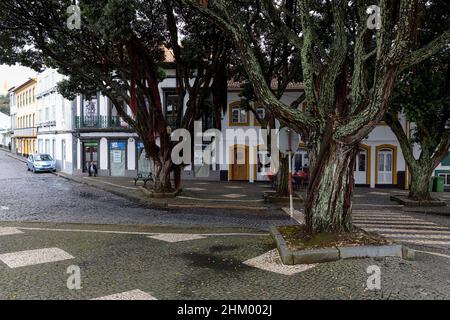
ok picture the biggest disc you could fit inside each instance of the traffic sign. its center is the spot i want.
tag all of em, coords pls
(288, 140)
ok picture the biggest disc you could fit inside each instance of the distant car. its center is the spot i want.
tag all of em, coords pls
(41, 162)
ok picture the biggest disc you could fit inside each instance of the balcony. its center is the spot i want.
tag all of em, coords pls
(99, 122)
(25, 132)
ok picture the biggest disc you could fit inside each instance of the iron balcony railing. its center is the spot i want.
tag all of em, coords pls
(99, 122)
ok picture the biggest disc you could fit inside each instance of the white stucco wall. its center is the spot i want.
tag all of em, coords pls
(103, 149)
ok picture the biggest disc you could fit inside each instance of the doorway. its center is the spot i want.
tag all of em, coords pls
(385, 166)
(90, 154)
(240, 163)
(361, 167)
(117, 158)
(63, 154)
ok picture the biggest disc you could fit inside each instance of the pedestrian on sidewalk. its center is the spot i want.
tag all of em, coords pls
(92, 169)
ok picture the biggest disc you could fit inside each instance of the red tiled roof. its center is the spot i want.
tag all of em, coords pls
(274, 84)
(168, 55)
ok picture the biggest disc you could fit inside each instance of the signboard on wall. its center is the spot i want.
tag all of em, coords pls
(121, 145)
(117, 156)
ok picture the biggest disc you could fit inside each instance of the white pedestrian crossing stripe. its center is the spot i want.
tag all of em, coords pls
(6, 231)
(128, 295)
(33, 257)
(177, 237)
(404, 228)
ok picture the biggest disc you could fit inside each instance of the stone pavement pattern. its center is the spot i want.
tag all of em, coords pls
(126, 250)
(216, 267)
(46, 197)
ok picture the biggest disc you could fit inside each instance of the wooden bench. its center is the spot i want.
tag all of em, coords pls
(146, 177)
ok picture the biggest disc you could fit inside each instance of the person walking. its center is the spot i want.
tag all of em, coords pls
(92, 169)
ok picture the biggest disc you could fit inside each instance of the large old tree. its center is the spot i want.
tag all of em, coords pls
(119, 50)
(349, 71)
(422, 94)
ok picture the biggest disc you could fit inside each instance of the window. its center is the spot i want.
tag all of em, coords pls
(43, 157)
(263, 164)
(238, 115)
(301, 160)
(261, 114)
(360, 163)
(446, 177)
(40, 145)
(47, 146)
(171, 107)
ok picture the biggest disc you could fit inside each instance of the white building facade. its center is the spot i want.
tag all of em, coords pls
(89, 129)
(12, 117)
(54, 125)
(379, 163)
(5, 133)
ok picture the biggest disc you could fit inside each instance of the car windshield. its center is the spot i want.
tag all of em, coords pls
(43, 157)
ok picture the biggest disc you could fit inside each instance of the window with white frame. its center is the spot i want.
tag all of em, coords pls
(261, 112)
(446, 177)
(239, 116)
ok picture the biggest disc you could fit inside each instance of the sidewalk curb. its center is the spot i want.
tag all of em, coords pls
(154, 205)
(125, 195)
(229, 207)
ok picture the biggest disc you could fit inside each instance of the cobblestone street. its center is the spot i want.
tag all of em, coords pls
(48, 223)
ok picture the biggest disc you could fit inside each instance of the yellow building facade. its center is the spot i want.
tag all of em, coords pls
(26, 132)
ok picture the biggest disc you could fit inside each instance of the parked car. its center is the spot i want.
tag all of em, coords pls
(41, 162)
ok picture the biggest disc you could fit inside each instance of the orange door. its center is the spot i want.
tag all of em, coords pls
(239, 166)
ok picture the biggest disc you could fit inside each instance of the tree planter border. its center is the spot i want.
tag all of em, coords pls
(404, 200)
(311, 256)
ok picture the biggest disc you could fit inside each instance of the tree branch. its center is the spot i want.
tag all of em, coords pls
(428, 51)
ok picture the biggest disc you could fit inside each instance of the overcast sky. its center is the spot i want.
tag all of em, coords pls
(14, 75)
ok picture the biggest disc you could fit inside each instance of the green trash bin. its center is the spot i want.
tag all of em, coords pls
(438, 184)
(431, 187)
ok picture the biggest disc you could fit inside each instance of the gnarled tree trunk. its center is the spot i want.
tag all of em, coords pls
(328, 204)
(161, 177)
(283, 177)
(420, 182)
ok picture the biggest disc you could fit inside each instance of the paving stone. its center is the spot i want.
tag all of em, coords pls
(271, 261)
(177, 237)
(9, 231)
(33, 257)
(128, 295)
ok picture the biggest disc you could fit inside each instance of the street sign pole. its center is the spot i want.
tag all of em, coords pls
(288, 143)
(291, 199)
